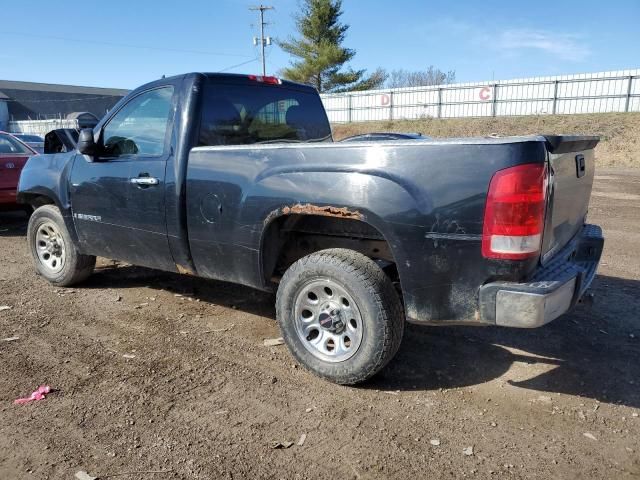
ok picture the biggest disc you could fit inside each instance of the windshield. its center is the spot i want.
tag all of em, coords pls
(11, 146)
(242, 115)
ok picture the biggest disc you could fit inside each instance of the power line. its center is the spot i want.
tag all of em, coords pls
(238, 65)
(125, 45)
(263, 41)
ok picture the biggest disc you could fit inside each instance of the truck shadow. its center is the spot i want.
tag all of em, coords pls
(593, 352)
(13, 224)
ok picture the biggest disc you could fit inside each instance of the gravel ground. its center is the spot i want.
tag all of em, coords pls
(159, 376)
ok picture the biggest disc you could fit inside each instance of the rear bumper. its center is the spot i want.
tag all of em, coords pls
(552, 291)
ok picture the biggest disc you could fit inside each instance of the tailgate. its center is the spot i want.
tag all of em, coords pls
(572, 165)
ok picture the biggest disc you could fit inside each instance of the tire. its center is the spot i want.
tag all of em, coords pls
(54, 254)
(348, 333)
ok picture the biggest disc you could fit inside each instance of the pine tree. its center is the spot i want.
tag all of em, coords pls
(321, 58)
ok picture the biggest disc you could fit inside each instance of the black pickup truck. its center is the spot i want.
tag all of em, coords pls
(237, 178)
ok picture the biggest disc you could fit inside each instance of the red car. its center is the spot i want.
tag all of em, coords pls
(13, 156)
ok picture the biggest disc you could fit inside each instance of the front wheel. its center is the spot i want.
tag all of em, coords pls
(55, 257)
(339, 315)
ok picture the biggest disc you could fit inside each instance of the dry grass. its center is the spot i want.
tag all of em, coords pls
(619, 132)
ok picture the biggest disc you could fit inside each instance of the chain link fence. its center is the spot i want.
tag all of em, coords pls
(569, 94)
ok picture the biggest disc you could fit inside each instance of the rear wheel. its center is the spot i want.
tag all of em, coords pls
(54, 255)
(339, 315)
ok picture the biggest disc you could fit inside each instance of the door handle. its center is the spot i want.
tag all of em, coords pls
(145, 181)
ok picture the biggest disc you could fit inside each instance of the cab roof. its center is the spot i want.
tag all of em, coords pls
(233, 78)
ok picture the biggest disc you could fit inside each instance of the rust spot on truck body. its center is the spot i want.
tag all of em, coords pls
(182, 270)
(326, 211)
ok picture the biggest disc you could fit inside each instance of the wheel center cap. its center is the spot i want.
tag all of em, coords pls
(53, 247)
(330, 319)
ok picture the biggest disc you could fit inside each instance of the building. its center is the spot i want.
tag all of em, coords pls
(20, 101)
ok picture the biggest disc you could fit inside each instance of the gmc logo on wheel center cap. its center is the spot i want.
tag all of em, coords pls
(325, 320)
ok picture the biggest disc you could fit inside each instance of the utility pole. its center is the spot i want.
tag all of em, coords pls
(264, 41)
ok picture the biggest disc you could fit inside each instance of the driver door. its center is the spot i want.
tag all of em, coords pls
(118, 199)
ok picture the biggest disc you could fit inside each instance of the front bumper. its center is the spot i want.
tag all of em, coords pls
(552, 291)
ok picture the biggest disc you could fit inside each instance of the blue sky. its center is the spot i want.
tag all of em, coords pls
(118, 43)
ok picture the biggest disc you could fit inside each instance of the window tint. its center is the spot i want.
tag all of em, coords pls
(11, 146)
(140, 127)
(247, 114)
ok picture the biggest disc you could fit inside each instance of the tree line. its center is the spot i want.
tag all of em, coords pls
(321, 59)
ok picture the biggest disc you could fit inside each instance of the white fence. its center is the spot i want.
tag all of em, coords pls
(41, 127)
(617, 91)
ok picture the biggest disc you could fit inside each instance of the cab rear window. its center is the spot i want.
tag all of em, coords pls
(243, 115)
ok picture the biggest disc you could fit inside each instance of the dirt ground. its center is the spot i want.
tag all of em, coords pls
(159, 376)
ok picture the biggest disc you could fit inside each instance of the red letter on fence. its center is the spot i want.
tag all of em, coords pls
(485, 93)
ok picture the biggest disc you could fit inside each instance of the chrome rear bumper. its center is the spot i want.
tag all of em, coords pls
(552, 291)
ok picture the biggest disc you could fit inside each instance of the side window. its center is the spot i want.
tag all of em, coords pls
(140, 127)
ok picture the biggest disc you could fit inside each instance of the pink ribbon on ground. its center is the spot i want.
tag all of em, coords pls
(39, 394)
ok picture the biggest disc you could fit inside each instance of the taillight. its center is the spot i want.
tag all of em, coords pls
(267, 80)
(514, 213)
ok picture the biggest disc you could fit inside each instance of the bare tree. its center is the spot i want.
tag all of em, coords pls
(419, 78)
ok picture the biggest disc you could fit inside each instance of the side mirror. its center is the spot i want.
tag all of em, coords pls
(86, 144)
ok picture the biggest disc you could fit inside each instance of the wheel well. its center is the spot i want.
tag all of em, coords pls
(291, 237)
(36, 200)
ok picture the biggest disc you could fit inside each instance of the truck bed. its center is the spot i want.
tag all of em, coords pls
(426, 199)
